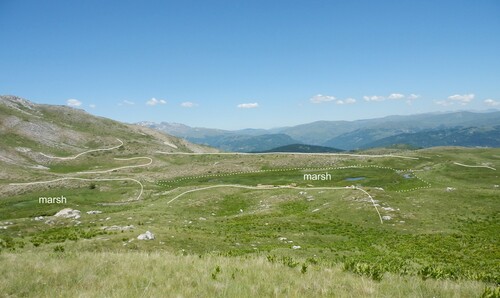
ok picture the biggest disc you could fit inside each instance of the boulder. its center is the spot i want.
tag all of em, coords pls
(68, 213)
(146, 236)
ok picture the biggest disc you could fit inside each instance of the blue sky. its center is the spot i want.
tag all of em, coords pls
(261, 64)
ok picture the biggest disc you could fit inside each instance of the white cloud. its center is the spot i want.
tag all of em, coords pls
(396, 96)
(346, 101)
(248, 105)
(461, 98)
(73, 102)
(92, 106)
(319, 98)
(374, 98)
(393, 96)
(126, 103)
(188, 104)
(491, 102)
(153, 102)
(412, 96)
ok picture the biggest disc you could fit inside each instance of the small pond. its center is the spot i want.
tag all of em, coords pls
(354, 178)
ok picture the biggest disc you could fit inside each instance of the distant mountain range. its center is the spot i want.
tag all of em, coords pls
(423, 130)
(302, 148)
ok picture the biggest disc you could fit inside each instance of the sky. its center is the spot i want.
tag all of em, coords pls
(252, 64)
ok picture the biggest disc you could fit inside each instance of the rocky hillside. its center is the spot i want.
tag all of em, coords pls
(27, 130)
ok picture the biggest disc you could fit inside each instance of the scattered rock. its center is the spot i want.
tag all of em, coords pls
(23, 149)
(202, 218)
(146, 236)
(94, 212)
(40, 167)
(302, 193)
(449, 189)
(296, 247)
(118, 228)
(108, 218)
(386, 217)
(281, 238)
(38, 218)
(315, 210)
(68, 213)
(3, 227)
(388, 208)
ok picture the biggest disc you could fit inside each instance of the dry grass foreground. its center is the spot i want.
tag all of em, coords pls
(138, 274)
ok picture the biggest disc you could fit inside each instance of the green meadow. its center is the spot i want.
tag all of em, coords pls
(290, 237)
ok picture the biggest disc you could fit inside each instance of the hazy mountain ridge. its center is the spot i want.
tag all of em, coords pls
(245, 143)
(458, 136)
(345, 135)
(303, 148)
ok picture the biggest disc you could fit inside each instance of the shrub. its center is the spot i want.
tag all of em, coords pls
(303, 270)
(372, 271)
(491, 292)
(59, 249)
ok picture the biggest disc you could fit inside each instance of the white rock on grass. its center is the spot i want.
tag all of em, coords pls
(146, 236)
(386, 217)
(118, 228)
(68, 213)
(94, 212)
(38, 218)
(296, 247)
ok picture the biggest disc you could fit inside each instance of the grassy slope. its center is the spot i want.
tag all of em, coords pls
(137, 274)
(433, 233)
